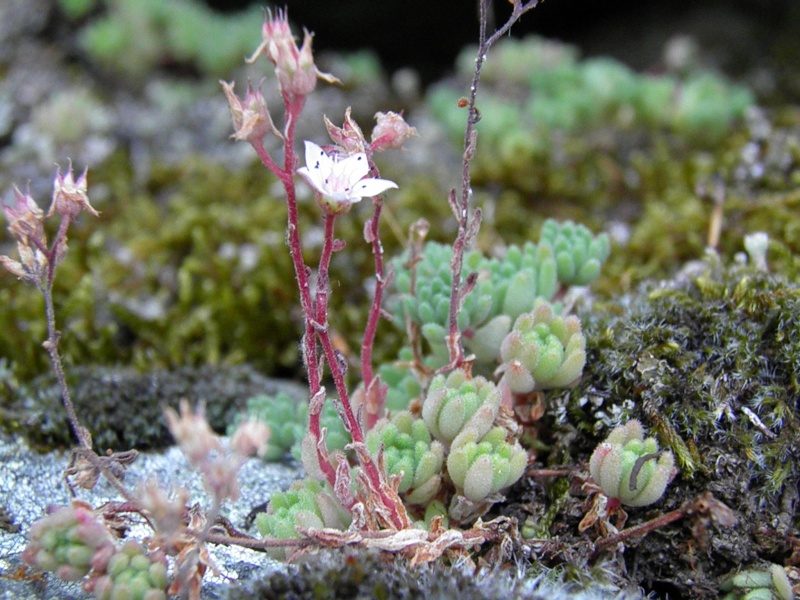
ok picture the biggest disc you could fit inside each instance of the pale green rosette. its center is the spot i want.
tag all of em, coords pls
(307, 503)
(132, 573)
(543, 351)
(482, 467)
(578, 254)
(409, 451)
(631, 468)
(458, 403)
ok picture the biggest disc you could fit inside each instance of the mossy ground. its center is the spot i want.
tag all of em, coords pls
(689, 359)
(189, 268)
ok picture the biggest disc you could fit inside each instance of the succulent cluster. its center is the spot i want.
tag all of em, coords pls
(566, 255)
(70, 540)
(458, 403)
(542, 351)
(307, 503)
(132, 573)
(73, 542)
(455, 430)
(481, 466)
(768, 584)
(630, 468)
(557, 91)
(132, 37)
(409, 451)
(578, 254)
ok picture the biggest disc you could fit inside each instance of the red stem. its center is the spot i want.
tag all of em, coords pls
(368, 340)
(294, 106)
(351, 421)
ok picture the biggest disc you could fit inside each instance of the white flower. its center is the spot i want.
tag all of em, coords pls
(340, 183)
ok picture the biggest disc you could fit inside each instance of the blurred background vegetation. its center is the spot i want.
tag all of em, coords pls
(621, 116)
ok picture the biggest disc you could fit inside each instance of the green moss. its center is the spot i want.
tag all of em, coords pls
(710, 363)
(189, 269)
(123, 409)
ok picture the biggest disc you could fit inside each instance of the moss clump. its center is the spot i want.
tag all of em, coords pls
(190, 268)
(710, 364)
(123, 409)
(346, 575)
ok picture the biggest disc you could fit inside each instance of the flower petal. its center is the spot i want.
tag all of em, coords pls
(312, 180)
(371, 187)
(318, 165)
(351, 169)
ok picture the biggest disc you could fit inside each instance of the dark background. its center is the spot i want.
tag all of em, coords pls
(734, 35)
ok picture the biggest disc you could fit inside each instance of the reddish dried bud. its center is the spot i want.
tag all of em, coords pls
(295, 68)
(192, 432)
(251, 438)
(391, 131)
(25, 219)
(349, 136)
(251, 118)
(69, 195)
(167, 510)
(26, 225)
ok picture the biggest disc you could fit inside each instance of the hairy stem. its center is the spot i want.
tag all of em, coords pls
(368, 340)
(337, 367)
(461, 206)
(53, 336)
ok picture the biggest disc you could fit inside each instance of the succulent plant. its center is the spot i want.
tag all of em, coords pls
(132, 573)
(555, 90)
(630, 468)
(519, 277)
(579, 255)
(768, 584)
(458, 403)
(70, 541)
(287, 419)
(408, 449)
(429, 306)
(404, 386)
(543, 351)
(307, 503)
(482, 466)
(281, 414)
(173, 31)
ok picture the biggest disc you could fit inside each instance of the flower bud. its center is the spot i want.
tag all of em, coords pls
(390, 132)
(251, 118)
(295, 68)
(349, 136)
(69, 195)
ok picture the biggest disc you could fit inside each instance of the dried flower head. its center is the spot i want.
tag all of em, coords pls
(69, 195)
(251, 118)
(349, 136)
(192, 432)
(295, 68)
(25, 223)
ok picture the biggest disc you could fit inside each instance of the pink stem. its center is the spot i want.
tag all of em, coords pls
(368, 340)
(351, 421)
(294, 106)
